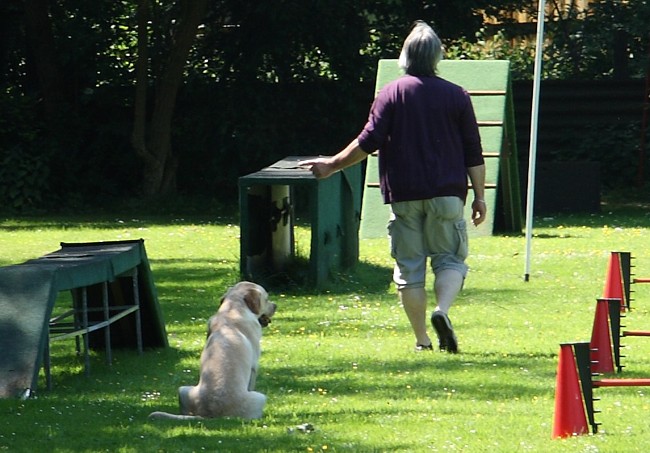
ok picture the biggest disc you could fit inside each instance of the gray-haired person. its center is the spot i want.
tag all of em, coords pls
(425, 131)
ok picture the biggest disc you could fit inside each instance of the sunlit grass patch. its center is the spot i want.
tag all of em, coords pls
(338, 363)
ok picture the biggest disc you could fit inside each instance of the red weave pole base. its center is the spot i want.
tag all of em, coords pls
(636, 333)
(622, 383)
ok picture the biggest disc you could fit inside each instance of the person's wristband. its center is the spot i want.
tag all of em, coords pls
(480, 200)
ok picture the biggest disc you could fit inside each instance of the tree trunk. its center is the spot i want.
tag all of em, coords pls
(154, 146)
(41, 44)
(138, 135)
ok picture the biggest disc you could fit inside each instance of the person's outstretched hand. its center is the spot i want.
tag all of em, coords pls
(320, 167)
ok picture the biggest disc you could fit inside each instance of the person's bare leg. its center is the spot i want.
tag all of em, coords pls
(414, 301)
(447, 285)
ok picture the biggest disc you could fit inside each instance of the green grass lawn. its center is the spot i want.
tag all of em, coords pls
(338, 365)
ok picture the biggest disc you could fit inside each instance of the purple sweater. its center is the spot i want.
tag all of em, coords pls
(426, 132)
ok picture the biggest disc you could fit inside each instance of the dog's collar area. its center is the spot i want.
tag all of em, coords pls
(264, 320)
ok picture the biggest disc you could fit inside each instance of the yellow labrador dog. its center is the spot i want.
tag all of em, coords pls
(229, 361)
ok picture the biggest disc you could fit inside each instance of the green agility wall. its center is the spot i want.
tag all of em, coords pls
(489, 85)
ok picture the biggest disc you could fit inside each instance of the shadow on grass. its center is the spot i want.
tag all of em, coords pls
(432, 377)
(111, 221)
(210, 274)
(628, 216)
(363, 277)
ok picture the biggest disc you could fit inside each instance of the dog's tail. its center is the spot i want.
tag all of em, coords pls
(167, 416)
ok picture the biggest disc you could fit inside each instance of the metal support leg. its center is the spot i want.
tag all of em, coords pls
(107, 329)
(138, 317)
(84, 317)
(76, 297)
(47, 364)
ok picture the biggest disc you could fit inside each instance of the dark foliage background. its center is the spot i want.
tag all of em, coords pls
(265, 80)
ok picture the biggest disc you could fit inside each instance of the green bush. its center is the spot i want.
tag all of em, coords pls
(496, 47)
(23, 178)
(24, 174)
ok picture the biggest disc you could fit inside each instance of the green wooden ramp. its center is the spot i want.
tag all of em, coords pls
(28, 293)
(488, 83)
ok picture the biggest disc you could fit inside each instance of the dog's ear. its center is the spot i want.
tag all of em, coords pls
(209, 326)
(225, 295)
(253, 299)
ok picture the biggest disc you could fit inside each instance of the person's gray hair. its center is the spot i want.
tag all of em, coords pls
(421, 52)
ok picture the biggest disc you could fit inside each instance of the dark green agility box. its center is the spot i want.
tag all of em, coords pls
(488, 83)
(267, 201)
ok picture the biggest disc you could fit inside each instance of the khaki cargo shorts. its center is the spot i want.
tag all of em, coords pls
(422, 229)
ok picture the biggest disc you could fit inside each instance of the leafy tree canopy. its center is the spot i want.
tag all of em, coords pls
(68, 77)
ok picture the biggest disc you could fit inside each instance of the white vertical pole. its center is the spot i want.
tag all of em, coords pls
(532, 152)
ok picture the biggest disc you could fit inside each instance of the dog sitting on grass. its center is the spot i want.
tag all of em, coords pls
(230, 359)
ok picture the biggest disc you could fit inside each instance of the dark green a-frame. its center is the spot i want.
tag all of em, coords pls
(488, 83)
(108, 280)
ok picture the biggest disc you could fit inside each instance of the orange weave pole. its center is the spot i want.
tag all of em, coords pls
(622, 383)
(641, 280)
